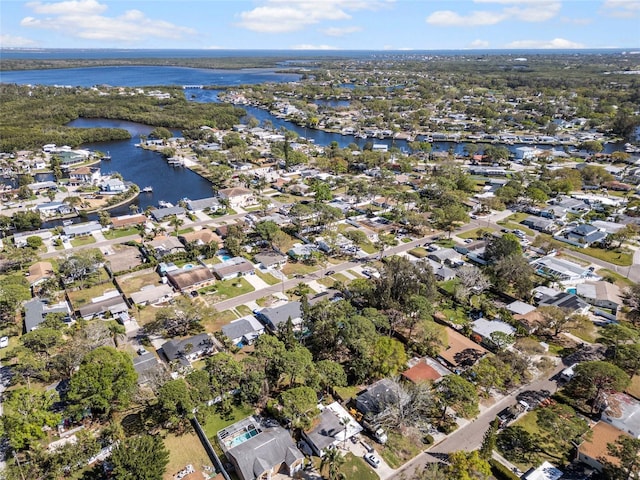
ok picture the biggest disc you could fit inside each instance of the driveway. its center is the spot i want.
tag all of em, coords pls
(384, 471)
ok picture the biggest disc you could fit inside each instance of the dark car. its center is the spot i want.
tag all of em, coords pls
(330, 272)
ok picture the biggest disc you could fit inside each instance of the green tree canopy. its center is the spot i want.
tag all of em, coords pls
(142, 457)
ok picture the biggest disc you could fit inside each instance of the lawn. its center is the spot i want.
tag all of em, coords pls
(243, 310)
(291, 269)
(227, 289)
(133, 282)
(215, 422)
(418, 252)
(215, 323)
(339, 277)
(120, 232)
(81, 297)
(514, 226)
(354, 273)
(368, 247)
(184, 450)
(267, 278)
(399, 449)
(619, 280)
(345, 393)
(82, 241)
(623, 258)
(456, 316)
(586, 330)
(634, 388)
(355, 468)
(449, 286)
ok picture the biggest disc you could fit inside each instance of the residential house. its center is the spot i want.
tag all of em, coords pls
(273, 317)
(165, 245)
(333, 426)
(39, 272)
(163, 214)
(560, 270)
(152, 295)
(191, 279)
(238, 197)
(270, 259)
(376, 397)
(20, 238)
(566, 301)
(126, 221)
(446, 256)
(243, 331)
(68, 158)
(461, 352)
(601, 294)
(424, 369)
(147, 367)
(260, 450)
(51, 209)
(84, 176)
(546, 471)
(81, 229)
(594, 449)
(520, 308)
(36, 311)
(582, 236)
(233, 268)
(188, 350)
(301, 251)
(623, 412)
(443, 273)
(112, 186)
(486, 328)
(110, 301)
(210, 203)
(202, 237)
(540, 224)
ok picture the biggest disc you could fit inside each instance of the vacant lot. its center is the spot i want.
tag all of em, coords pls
(133, 282)
(184, 450)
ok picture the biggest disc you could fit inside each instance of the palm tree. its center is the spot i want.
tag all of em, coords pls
(175, 222)
(117, 332)
(333, 459)
(133, 208)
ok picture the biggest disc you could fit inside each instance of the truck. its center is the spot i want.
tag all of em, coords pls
(509, 414)
(380, 436)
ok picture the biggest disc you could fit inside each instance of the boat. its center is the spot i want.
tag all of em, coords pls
(107, 156)
(164, 204)
(66, 223)
(148, 189)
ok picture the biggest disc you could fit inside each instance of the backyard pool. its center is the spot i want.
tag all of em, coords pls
(188, 266)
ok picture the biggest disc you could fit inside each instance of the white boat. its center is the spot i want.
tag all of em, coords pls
(164, 204)
(66, 223)
(147, 189)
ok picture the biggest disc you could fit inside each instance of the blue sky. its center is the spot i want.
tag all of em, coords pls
(321, 24)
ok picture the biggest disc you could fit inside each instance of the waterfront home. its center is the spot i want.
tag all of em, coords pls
(36, 311)
(125, 221)
(273, 317)
(243, 331)
(238, 197)
(332, 427)
(260, 450)
(81, 229)
(210, 203)
(112, 186)
(68, 158)
(233, 268)
(84, 176)
(188, 350)
(36, 187)
(20, 238)
(187, 280)
(52, 209)
(152, 295)
(163, 214)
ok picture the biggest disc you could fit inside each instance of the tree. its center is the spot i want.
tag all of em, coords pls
(449, 218)
(225, 373)
(332, 460)
(175, 222)
(560, 426)
(489, 440)
(627, 451)
(142, 457)
(455, 392)
(514, 271)
(299, 406)
(180, 319)
(322, 191)
(80, 266)
(104, 218)
(591, 379)
(105, 381)
(331, 374)
(555, 320)
(501, 247)
(517, 444)
(174, 403)
(468, 466)
(26, 413)
(117, 332)
(160, 133)
(388, 357)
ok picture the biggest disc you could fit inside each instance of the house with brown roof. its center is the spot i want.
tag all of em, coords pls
(424, 370)
(238, 196)
(125, 221)
(191, 279)
(595, 449)
(39, 272)
(201, 237)
(462, 352)
(84, 175)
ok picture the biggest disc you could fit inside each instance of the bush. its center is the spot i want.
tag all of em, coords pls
(501, 472)
(428, 440)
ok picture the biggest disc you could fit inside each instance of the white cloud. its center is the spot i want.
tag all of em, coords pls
(555, 43)
(281, 16)
(306, 46)
(87, 22)
(479, 44)
(11, 41)
(523, 10)
(621, 8)
(340, 31)
(449, 18)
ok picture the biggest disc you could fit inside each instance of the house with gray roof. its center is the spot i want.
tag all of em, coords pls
(539, 223)
(601, 294)
(233, 268)
(36, 311)
(377, 395)
(81, 229)
(446, 256)
(162, 214)
(332, 426)
(259, 450)
(152, 294)
(188, 350)
(485, 328)
(243, 331)
(270, 259)
(566, 301)
(582, 236)
(147, 366)
(211, 203)
(111, 301)
(273, 317)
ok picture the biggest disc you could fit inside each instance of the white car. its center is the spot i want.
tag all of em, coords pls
(372, 460)
(4, 342)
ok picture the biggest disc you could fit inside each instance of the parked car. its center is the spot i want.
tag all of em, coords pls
(330, 272)
(372, 460)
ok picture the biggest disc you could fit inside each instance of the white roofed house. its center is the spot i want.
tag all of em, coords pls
(238, 197)
(112, 186)
(601, 294)
(560, 270)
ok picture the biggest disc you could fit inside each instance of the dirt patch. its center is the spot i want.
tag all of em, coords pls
(124, 258)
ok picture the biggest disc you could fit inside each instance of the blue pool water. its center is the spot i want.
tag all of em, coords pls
(188, 266)
(243, 438)
(572, 290)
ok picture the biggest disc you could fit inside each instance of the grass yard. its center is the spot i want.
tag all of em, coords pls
(399, 448)
(623, 258)
(215, 422)
(449, 285)
(112, 234)
(354, 468)
(291, 269)
(243, 310)
(368, 247)
(418, 252)
(354, 273)
(133, 282)
(514, 226)
(456, 316)
(586, 330)
(339, 277)
(573, 259)
(220, 319)
(634, 388)
(267, 278)
(84, 296)
(82, 241)
(227, 289)
(345, 393)
(184, 450)
(619, 280)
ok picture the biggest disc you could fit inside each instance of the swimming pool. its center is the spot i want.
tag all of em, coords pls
(243, 438)
(188, 266)
(224, 257)
(573, 291)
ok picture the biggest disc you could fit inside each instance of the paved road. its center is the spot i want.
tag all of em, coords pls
(470, 436)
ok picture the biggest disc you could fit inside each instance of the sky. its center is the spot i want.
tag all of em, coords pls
(321, 24)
